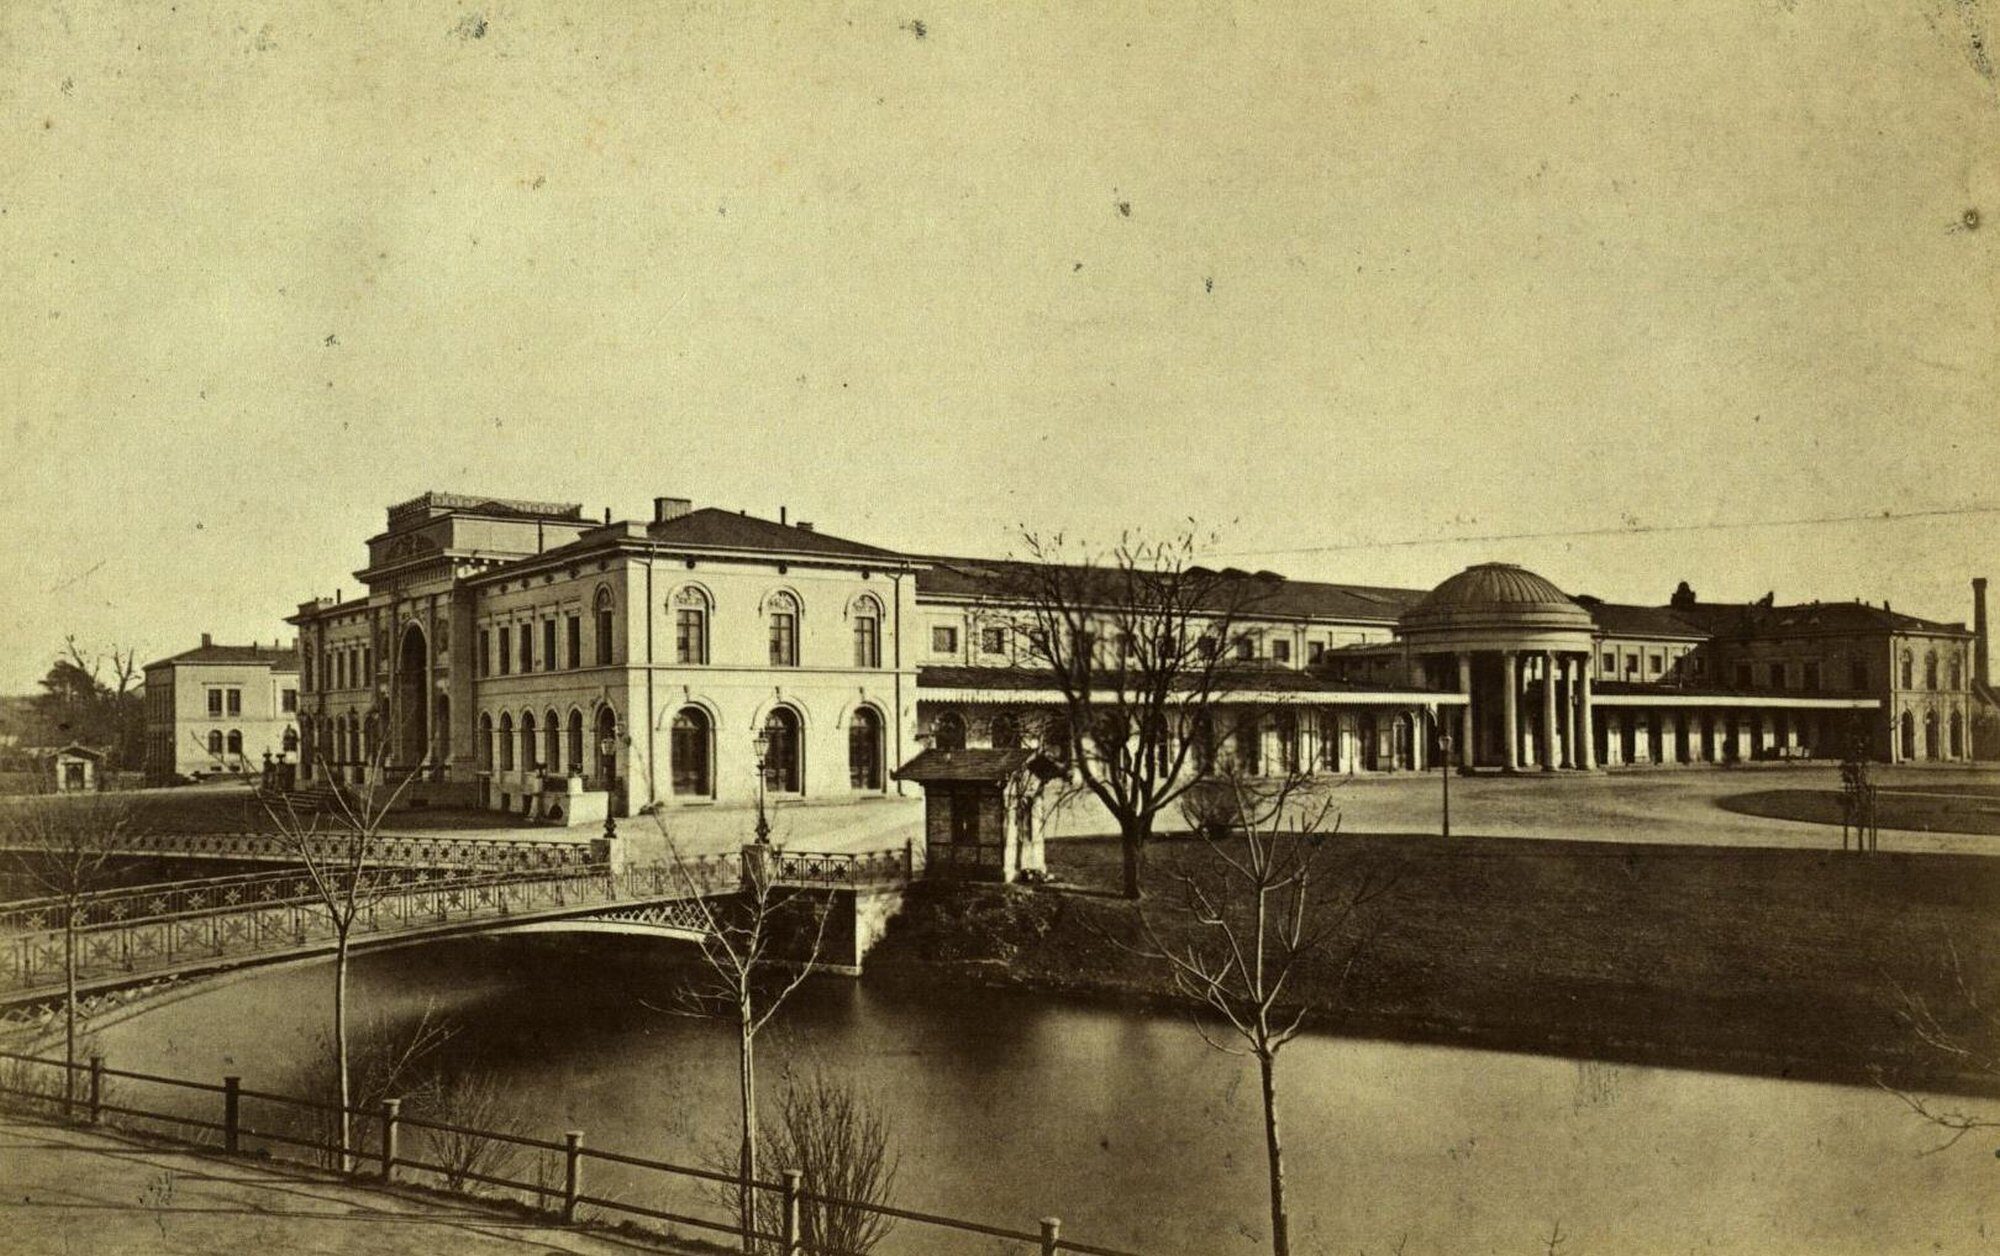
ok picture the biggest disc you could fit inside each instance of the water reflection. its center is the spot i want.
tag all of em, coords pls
(1007, 1109)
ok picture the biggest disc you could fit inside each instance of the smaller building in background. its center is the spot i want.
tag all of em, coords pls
(218, 710)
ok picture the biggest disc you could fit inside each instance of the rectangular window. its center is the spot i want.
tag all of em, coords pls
(504, 648)
(1743, 676)
(993, 640)
(1631, 665)
(548, 645)
(1857, 674)
(1315, 651)
(1655, 664)
(289, 701)
(690, 644)
(1812, 677)
(784, 639)
(867, 641)
(1246, 649)
(215, 702)
(368, 665)
(1281, 651)
(944, 639)
(527, 644)
(1610, 663)
(235, 701)
(575, 642)
(485, 652)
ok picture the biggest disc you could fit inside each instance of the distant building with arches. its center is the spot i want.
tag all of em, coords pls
(217, 710)
(500, 646)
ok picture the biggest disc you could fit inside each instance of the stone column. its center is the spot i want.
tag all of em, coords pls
(1510, 713)
(1465, 755)
(1586, 735)
(1670, 736)
(1569, 756)
(1549, 752)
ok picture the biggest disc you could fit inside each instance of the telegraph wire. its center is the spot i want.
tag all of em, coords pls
(1636, 529)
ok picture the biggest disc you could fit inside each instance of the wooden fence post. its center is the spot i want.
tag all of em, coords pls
(96, 1089)
(1051, 1235)
(794, 1183)
(572, 1174)
(232, 1106)
(392, 1112)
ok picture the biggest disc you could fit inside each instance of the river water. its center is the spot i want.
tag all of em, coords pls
(1008, 1108)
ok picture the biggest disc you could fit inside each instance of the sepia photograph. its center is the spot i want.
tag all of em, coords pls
(1257, 628)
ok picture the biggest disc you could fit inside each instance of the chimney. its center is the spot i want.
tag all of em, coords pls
(206, 641)
(781, 516)
(1979, 646)
(665, 508)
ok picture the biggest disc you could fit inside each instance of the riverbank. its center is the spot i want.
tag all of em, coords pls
(89, 1190)
(1773, 962)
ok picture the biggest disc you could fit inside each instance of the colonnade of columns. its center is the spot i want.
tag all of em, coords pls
(1567, 738)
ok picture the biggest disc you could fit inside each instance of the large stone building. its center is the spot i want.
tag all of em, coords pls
(498, 645)
(219, 710)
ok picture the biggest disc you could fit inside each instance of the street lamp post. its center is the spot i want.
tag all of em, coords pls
(762, 745)
(1444, 744)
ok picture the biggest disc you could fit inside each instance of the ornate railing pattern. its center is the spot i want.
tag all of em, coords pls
(428, 850)
(844, 870)
(155, 929)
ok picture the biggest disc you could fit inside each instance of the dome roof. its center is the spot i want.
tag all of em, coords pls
(1495, 595)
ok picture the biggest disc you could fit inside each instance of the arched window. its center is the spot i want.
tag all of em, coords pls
(1957, 735)
(1909, 670)
(783, 610)
(485, 747)
(576, 759)
(291, 742)
(507, 742)
(1931, 735)
(690, 742)
(552, 743)
(1930, 670)
(528, 747)
(783, 770)
(691, 627)
(867, 634)
(235, 741)
(1006, 732)
(441, 731)
(215, 741)
(606, 621)
(1957, 673)
(1909, 738)
(864, 749)
(948, 731)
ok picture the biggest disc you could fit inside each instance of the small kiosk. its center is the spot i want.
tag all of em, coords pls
(979, 811)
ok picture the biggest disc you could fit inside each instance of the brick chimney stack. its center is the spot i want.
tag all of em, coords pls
(207, 641)
(1979, 642)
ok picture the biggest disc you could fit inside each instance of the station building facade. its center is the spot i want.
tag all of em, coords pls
(698, 658)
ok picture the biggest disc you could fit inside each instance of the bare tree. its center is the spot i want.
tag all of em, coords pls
(758, 946)
(1259, 911)
(64, 844)
(1137, 640)
(339, 845)
(1961, 1031)
(838, 1141)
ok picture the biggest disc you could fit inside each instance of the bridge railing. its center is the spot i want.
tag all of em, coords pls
(192, 925)
(391, 1147)
(425, 850)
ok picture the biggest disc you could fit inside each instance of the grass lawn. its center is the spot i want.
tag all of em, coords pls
(1759, 960)
(1946, 808)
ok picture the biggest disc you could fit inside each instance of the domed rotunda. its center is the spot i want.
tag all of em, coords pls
(1520, 649)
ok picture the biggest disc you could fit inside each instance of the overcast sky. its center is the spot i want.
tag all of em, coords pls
(1324, 276)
